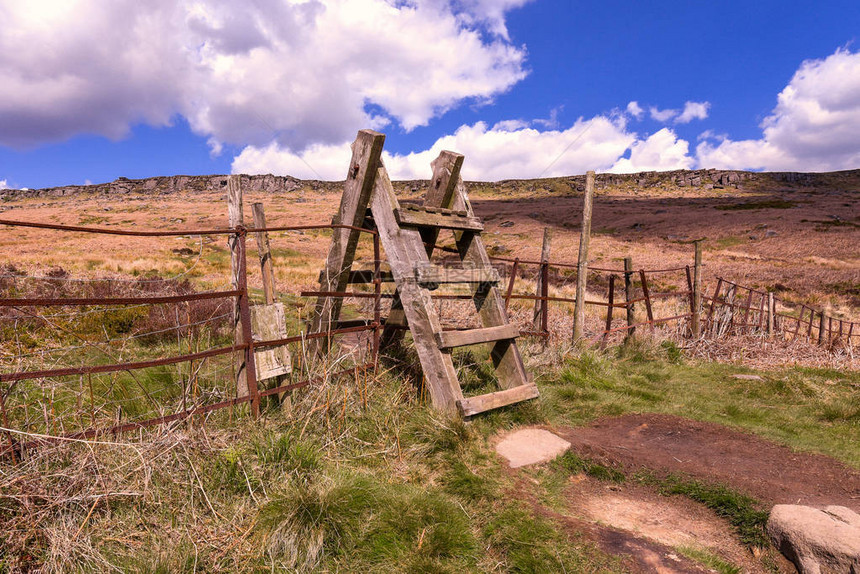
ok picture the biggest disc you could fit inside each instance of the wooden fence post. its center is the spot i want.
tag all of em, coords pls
(697, 290)
(821, 340)
(647, 295)
(235, 219)
(582, 261)
(771, 313)
(714, 302)
(690, 297)
(511, 282)
(245, 322)
(544, 294)
(609, 309)
(270, 291)
(628, 295)
(546, 248)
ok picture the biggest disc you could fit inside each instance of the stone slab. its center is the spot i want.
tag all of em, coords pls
(531, 446)
(818, 541)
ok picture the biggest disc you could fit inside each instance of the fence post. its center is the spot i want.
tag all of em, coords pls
(544, 293)
(821, 339)
(697, 290)
(582, 261)
(236, 221)
(628, 296)
(647, 296)
(513, 278)
(545, 250)
(245, 320)
(690, 297)
(771, 313)
(714, 302)
(609, 309)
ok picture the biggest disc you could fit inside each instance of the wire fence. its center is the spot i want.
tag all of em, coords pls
(84, 357)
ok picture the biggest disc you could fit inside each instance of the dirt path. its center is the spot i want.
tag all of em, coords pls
(667, 444)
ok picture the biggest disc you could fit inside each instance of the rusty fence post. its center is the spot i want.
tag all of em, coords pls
(245, 321)
(377, 301)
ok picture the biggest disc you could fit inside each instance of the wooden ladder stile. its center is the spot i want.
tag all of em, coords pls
(408, 234)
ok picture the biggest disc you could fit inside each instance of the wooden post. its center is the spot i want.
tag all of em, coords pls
(377, 301)
(582, 261)
(690, 298)
(265, 250)
(747, 308)
(609, 309)
(714, 302)
(360, 178)
(245, 322)
(544, 293)
(270, 291)
(771, 313)
(697, 290)
(546, 248)
(628, 295)
(821, 340)
(647, 295)
(235, 219)
(513, 279)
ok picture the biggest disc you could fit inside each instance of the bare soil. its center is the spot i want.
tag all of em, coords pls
(665, 444)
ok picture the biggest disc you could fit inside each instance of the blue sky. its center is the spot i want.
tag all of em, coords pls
(91, 90)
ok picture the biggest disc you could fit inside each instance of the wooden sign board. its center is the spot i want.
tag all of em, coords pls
(268, 323)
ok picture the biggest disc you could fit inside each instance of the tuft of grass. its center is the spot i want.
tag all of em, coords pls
(709, 559)
(569, 463)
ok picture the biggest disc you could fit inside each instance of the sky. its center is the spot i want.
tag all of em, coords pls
(92, 90)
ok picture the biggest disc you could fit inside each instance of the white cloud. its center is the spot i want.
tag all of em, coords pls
(661, 151)
(815, 125)
(247, 73)
(635, 110)
(662, 115)
(693, 111)
(3, 184)
(505, 151)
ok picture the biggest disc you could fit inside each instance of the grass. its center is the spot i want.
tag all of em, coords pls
(811, 409)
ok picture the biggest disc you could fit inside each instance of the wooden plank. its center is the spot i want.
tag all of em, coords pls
(451, 339)
(268, 322)
(404, 248)
(364, 277)
(697, 289)
(474, 405)
(366, 156)
(264, 250)
(437, 275)
(446, 173)
(414, 218)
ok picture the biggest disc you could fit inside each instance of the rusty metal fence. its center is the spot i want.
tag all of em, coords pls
(18, 417)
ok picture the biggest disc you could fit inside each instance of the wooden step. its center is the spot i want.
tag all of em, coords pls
(474, 405)
(410, 216)
(438, 275)
(451, 339)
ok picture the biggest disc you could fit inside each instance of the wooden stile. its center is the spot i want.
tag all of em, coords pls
(408, 235)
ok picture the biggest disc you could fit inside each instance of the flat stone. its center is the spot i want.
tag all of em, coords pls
(818, 541)
(747, 377)
(531, 446)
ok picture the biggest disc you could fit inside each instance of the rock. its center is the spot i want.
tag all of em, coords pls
(531, 446)
(506, 224)
(770, 233)
(747, 377)
(818, 541)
